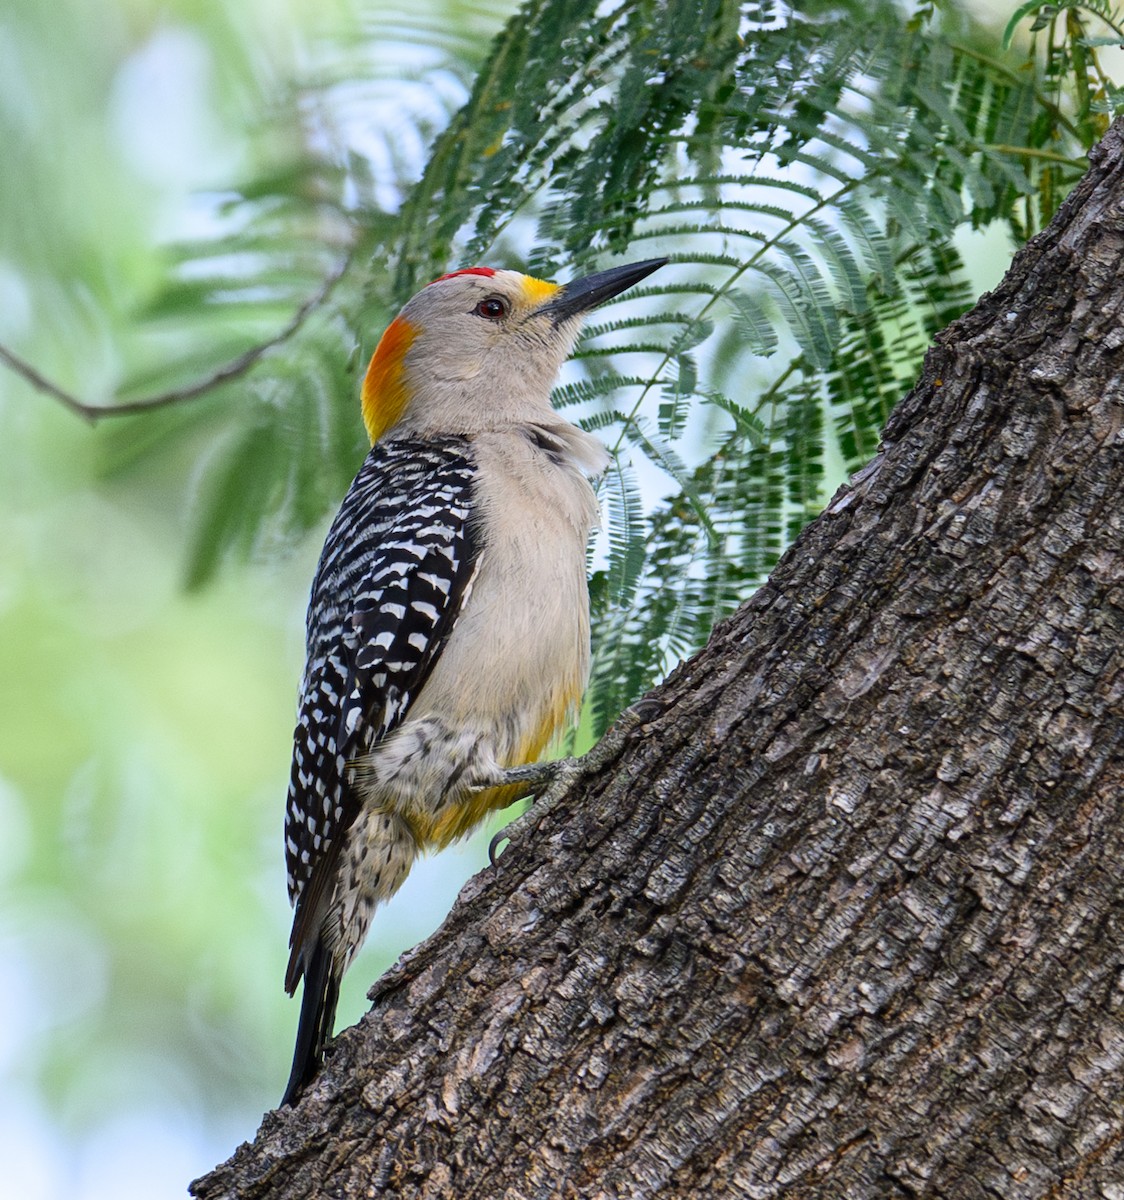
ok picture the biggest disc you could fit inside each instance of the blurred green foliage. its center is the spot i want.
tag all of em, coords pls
(146, 729)
(188, 180)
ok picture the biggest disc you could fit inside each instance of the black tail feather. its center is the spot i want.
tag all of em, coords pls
(318, 1016)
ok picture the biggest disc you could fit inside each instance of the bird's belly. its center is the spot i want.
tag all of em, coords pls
(522, 640)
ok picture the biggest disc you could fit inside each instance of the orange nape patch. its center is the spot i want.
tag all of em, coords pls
(385, 392)
(539, 291)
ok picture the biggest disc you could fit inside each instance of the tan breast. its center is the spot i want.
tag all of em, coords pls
(522, 640)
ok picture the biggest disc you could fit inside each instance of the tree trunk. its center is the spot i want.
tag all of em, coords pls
(844, 917)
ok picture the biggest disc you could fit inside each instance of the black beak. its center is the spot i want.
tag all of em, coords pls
(580, 295)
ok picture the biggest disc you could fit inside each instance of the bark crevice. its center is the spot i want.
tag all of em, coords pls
(846, 916)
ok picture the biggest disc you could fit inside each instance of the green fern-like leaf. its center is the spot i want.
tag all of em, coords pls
(804, 168)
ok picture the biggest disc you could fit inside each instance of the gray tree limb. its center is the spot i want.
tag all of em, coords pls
(844, 918)
(229, 371)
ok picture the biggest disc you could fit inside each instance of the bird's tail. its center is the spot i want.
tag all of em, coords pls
(318, 1016)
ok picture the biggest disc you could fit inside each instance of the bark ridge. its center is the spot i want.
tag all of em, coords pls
(845, 918)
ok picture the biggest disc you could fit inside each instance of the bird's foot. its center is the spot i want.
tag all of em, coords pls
(558, 775)
(561, 774)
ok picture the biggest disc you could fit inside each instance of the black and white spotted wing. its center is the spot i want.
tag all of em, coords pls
(394, 572)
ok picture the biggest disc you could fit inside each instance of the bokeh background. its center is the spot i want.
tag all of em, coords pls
(145, 726)
(146, 714)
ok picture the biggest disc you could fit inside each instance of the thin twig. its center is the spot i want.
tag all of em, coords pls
(228, 371)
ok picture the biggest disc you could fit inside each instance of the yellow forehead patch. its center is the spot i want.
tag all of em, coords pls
(538, 291)
(385, 392)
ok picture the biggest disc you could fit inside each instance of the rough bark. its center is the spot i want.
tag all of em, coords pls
(843, 919)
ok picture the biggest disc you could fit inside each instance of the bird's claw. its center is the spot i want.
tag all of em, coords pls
(501, 836)
(561, 774)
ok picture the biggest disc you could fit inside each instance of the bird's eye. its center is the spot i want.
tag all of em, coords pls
(493, 308)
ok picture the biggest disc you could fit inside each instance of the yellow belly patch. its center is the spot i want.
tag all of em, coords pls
(456, 820)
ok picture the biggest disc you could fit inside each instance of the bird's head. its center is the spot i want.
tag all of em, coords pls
(480, 349)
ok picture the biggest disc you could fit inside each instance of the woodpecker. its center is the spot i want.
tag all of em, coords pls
(448, 627)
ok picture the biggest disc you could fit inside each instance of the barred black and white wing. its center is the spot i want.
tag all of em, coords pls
(393, 575)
